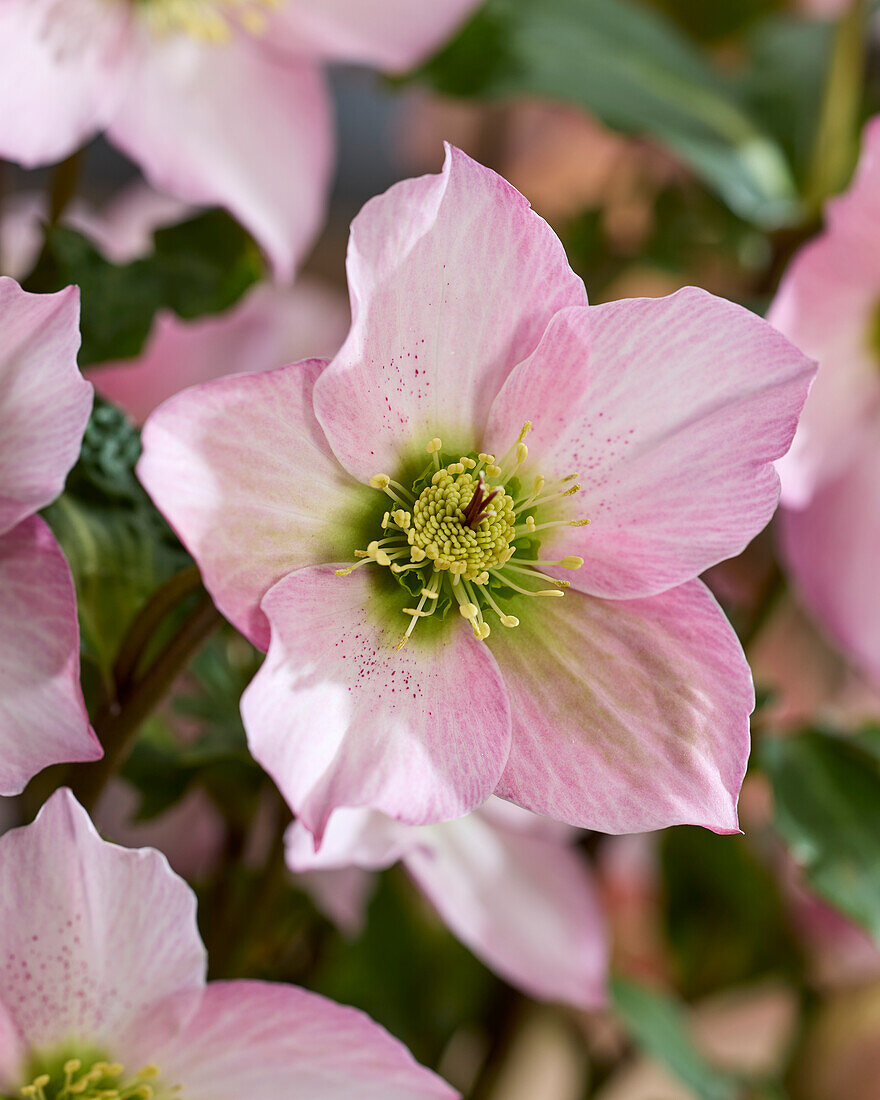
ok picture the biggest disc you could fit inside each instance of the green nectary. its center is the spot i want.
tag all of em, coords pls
(464, 533)
(87, 1075)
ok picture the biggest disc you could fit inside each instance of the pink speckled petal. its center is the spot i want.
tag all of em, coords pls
(62, 66)
(270, 327)
(525, 905)
(45, 401)
(390, 34)
(43, 718)
(627, 715)
(453, 280)
(235, 126)
(832, 547)
(260, 1039)
(671, 412)
(242, 471)
(90, 934)
(339, 717)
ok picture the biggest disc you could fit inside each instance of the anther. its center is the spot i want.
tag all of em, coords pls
(380, 481)
(509, 620)
(434, 445)
(571, 562)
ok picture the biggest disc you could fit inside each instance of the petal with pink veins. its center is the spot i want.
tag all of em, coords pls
(627, 715)
(671, 412)
(270, 327)
(338, 717)
(242, 471)
(45, 401)
(121, 921)
(525, 905)
(453, 280)
(235, 126)
(831, 549)
(62, 67)
(390, 34)
(43, 718)
(256, 1039)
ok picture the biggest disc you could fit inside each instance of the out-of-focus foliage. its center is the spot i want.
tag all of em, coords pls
(200, 266)
(827, 799)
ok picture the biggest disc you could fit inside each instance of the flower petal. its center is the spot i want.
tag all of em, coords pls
(671, 411)
(453, 280)
(62, 67)
(241, 469)
(362, 838)
(46, 402)
(271, 326)
(235, 126)
(338, 717)
(627, 715)
(90, 934)
(391, 34)
(831, 549)
(525, 905)
(43, 718)
(250, 1039)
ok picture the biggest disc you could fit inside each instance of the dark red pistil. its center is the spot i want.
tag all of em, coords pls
(476, 509)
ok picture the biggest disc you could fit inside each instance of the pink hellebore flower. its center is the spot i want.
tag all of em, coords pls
(507, 883)
(219, 101)
(44, 408)
(829, 304)
(389, 496)
(104, 992)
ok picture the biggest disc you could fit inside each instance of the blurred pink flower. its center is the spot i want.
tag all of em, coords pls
(829, 304)
(104, 984)
(220, 102)
(506, 882)
(44, 408)
(468, 323)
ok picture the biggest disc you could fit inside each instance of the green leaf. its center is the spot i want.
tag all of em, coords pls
(201, 266)
(657, 1022)
(827, 806)
(633, 68)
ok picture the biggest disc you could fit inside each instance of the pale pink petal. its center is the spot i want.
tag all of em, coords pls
(258, 1039)
(670, 411)
(526, 906)
(123, 228)
(243, 473)
(234, 126)
(61, 70)
(13, 1052)
(21, 233)
(342, 895)
(627, 715)
(832, 548)
(270, 327)
(90, 934)
(44, 400)
(363, 838)
(43, 718)
(453, 280)
(390, 34)
(858, 209)
(339, 717)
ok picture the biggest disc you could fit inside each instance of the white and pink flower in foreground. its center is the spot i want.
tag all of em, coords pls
(219, 101)
(509, 884)
(829, 304)
(104, 995)
(44, 408)
(519, 486)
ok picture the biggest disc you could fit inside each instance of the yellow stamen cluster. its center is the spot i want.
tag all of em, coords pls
(100, 1081)
(207, 20)
(459, 534)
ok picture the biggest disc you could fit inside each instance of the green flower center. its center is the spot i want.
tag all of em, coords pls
(93, 1078)
(206, 20)
(464, 534)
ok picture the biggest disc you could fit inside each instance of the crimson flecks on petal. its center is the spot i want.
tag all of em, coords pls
(470, 540)
(219, 101)
(104, 994)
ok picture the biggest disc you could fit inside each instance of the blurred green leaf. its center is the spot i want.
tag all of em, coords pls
(657, 1022)
(201, 266)
(118, 545)
(827, 799)
(725, 920)
(635, 70)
